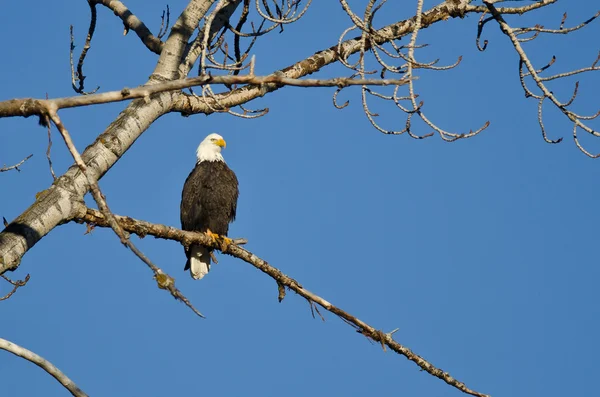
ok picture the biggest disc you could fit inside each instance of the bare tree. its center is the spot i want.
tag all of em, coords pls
(205, 65)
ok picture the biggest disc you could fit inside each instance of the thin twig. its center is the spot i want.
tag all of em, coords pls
(48, 149)
(16, 285)
(164, 25)
(539, 82)
(79, 76)
(16, 166)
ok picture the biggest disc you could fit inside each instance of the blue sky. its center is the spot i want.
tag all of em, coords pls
(482, 252)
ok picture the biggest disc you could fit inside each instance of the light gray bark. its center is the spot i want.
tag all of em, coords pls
(44, 364)
(167, 67)
(64, 200)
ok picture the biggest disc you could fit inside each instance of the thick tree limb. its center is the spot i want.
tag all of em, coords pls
(43, 364)
(175, 47)
(142, 229)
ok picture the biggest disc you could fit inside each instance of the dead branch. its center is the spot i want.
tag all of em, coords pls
(48, 149)
(130, 22)
(164, 24)
(43, 364)
(16, 166)
(143, 228)
(546, 93)
(78, 77)
(512, 10)
(16, 285)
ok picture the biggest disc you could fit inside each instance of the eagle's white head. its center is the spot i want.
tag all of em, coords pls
(210, 148)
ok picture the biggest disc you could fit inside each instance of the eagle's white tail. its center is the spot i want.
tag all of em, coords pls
(199, 261)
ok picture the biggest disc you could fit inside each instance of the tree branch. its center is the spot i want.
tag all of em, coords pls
(16, 166)
(142, 229)
(132, 22)
(512, 10)
(79, 76)
(191, 105)
(43, 364)
(546, 92)
(15, 284)
(31, 106)
(174, 49)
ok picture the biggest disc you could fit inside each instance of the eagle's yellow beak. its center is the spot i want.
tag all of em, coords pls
(221, 142)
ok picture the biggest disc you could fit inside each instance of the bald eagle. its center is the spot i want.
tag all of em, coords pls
(208, 201)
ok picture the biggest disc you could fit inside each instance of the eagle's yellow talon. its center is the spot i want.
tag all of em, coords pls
(213, 236)
(225, 243)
